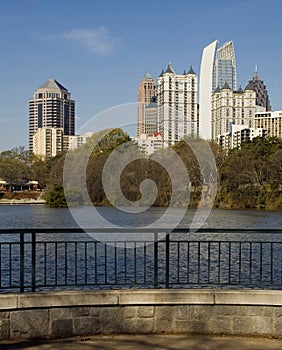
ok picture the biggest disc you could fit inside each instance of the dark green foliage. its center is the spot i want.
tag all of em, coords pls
(252, 177)
(55, 198)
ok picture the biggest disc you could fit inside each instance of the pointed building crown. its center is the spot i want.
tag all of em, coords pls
(191, 71)
(225, 86)
(52, 84)
(147, 76)
(170, 69)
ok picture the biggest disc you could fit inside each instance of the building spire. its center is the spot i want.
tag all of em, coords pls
(256, 76)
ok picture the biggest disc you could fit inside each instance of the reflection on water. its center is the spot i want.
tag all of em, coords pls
(27, 216)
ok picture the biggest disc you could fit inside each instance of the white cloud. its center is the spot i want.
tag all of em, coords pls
(98, 41)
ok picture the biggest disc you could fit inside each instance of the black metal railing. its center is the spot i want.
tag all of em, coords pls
(49, 259)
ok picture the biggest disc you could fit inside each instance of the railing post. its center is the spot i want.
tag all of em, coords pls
(21, 262)
(33, 261)
(156, 260)
(167, 262)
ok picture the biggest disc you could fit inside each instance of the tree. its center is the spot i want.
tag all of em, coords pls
(55, 198)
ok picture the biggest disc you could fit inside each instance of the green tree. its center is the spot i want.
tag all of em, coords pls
(55, 198)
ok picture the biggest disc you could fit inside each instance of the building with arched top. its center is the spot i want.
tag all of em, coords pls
(218, 66)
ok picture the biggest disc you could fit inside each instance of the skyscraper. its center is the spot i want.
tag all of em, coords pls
(262, 98)
(51, 107)
(177, 96)
(218, 66)
(146, 91)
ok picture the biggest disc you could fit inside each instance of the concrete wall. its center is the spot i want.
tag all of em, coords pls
(69, 313)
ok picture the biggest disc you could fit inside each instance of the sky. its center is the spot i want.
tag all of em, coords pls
(100, 50)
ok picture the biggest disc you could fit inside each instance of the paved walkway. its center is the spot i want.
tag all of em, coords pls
(146, 342)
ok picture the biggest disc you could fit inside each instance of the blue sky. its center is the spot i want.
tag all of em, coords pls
(100, 50)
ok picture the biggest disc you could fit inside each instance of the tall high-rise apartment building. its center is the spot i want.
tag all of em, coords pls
(146, 93)
(51, 107)
(177, 98)
(218, 66)
(231, 107)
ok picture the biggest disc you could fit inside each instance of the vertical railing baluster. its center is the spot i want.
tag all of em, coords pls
(135, 264)
(75, 263)
(125, 263)
(261, 262)
(251, 263)
(178, 262)
(11, 266)
(145, 262)
(199, 261)
(271, 263)
(95, 260)
(167, 260)
(106, 267)
(66, 263)
(86, 264)
(45, 262)
(229, 262)
(156, 260)
(188, 262)
(219, 262)
(56, 263)
(21, 262)
(115, 262)
(240, 261)
(33, 261)
(209, 262)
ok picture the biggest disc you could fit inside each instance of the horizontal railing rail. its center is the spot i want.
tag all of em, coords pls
(67, 258)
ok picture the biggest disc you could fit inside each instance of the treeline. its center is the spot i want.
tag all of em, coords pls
(252, 176)
(247, 178)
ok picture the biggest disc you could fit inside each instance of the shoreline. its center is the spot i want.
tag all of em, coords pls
(21, 201)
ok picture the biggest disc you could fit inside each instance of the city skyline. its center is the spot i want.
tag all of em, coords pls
(100, 51)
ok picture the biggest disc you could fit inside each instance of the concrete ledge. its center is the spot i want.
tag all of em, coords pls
(140, 297)
(67, 298)
(166, 297)
(8, 301)
(248, 297)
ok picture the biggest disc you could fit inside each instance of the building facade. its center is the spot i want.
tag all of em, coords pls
(51, 107)
(271, 121)
(146, 95)
(177, 99)
(149, 144)
(218, 66)
(239, 134)
(48, 142)
(75, 141)
(232, 107)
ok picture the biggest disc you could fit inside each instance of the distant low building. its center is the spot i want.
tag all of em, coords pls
(75, 141)
(237, 135)
(271, 121)
(149, 144)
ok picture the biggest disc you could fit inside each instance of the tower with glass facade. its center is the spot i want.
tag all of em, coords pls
(218, 67)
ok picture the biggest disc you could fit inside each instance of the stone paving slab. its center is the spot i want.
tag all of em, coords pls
(147, 342)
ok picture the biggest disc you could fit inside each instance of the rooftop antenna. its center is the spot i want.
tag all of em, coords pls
(256, 76)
